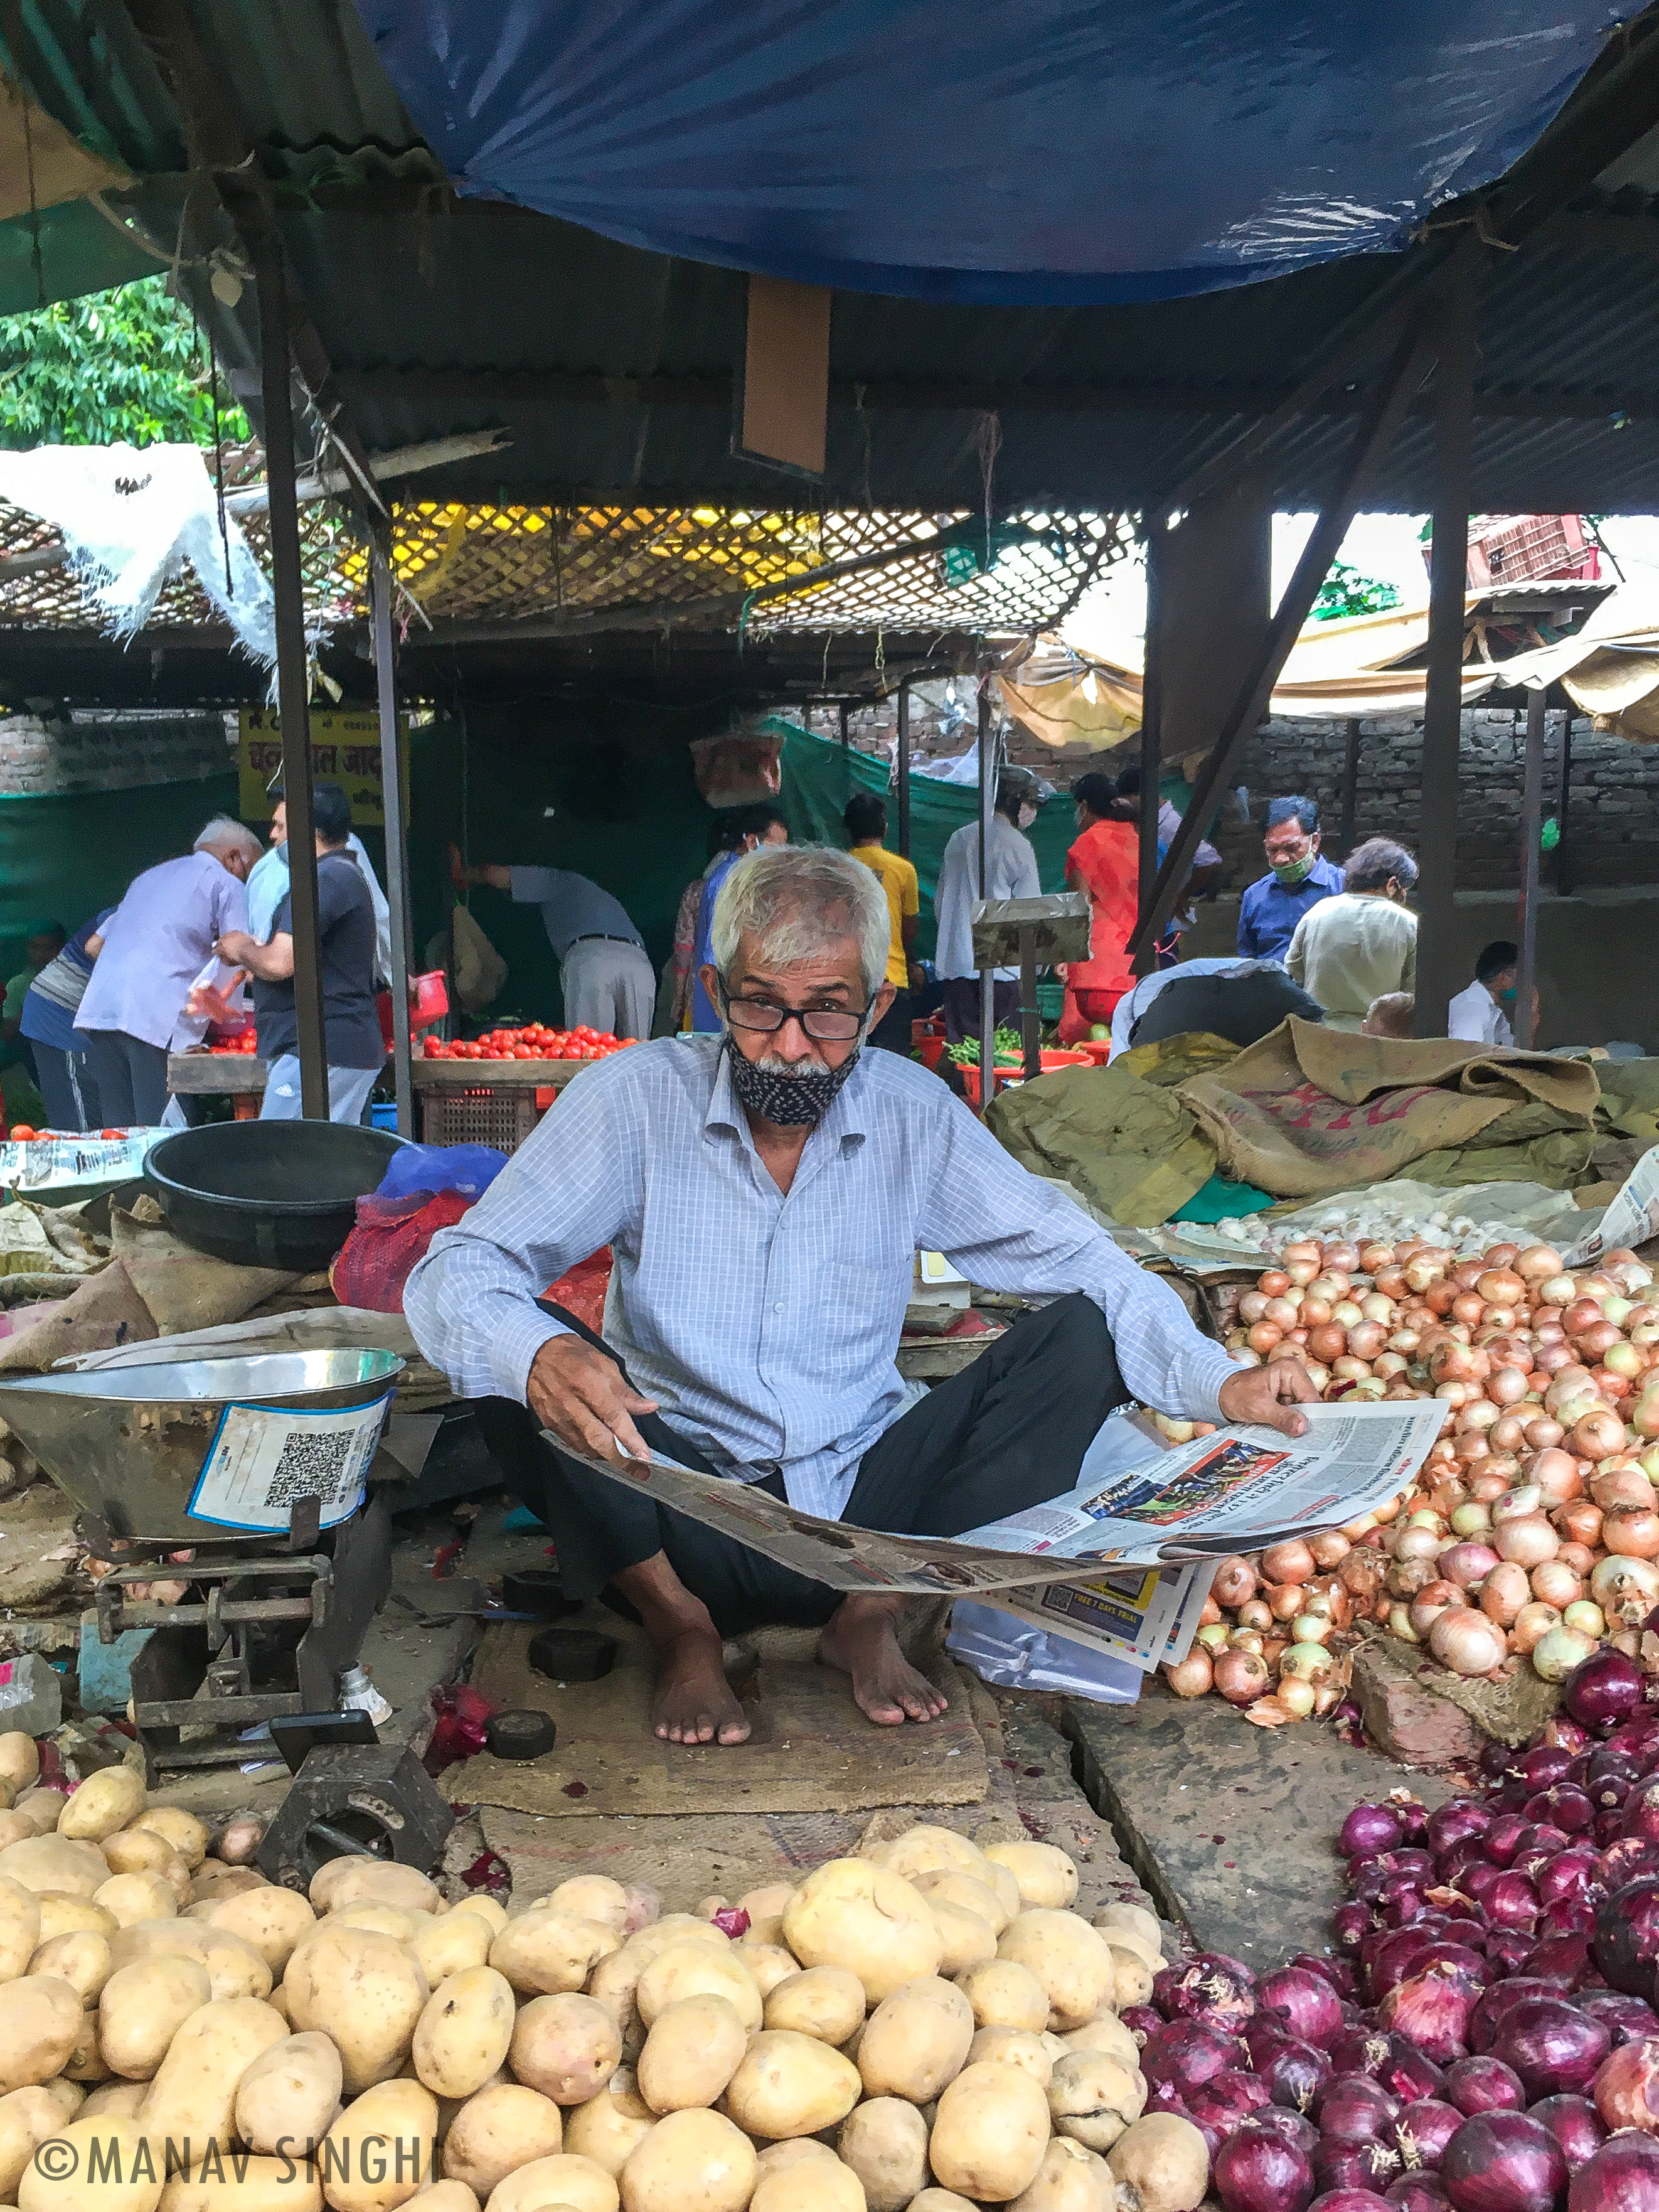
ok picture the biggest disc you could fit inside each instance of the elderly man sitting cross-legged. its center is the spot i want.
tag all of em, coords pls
(765, 1192)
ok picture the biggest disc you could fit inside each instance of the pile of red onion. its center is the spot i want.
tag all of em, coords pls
(1483, 2035)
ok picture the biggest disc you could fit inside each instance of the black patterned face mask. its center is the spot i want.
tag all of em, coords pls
(792, 1101)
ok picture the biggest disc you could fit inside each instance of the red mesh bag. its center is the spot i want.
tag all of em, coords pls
(378, 1258)
(580, 1290)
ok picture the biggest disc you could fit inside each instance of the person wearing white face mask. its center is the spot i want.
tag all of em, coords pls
(1011, 871)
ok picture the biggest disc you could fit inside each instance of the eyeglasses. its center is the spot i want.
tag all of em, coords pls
(823, 1024)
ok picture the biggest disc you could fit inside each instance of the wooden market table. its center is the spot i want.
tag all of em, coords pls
(237, 1075)
(462, 1101)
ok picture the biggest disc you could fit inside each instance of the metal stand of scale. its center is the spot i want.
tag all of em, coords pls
(267, 1645)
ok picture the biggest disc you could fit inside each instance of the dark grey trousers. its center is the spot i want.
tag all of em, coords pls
(1007, 1432)
(64, 1082)
(131, 1076)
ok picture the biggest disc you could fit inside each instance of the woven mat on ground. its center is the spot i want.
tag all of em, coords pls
(1311, 1110)
(1031, 1794)
(1130, 1146)
(705, 1855)
(812, 1751)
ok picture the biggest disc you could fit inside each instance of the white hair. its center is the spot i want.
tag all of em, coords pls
(797, 901)
(226, 835)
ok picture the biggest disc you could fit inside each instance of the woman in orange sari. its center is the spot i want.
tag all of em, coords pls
(1104, 864)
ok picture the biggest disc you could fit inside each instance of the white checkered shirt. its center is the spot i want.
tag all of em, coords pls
(765, 1326)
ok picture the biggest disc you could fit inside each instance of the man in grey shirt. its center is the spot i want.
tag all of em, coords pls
(604, 970)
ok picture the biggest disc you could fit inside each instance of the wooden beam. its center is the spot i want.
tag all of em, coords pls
(901, 767)
(1350, 783)
(987, 984)
(292, 683)
(396, 835)
(1370, 442)
(517, 392)
(1532, 816)
(1443, 703)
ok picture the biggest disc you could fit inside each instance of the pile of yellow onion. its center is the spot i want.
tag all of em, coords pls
(1531, 1535)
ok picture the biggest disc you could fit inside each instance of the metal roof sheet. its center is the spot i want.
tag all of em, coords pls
(613, 368)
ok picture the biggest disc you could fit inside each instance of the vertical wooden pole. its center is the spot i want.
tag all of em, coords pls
(1562, 861)
(987, 988)
(293, 677)
(842, 711)
(396, 835)
(1350, 783)
(1532, 812)
(1029, 1025)
(1145, 958)
(1453, 399)
(902, 769)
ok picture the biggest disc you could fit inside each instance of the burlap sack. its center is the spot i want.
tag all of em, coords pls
(1311, 1110)
(102, 1311)
(181, 1287)
(1125, 1144)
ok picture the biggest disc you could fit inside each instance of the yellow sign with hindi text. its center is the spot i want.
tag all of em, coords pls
(346, 748)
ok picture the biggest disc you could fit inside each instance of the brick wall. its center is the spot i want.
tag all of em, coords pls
(94, 750)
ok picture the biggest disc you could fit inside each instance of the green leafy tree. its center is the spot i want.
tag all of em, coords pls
(1346, 592)
(125, 365)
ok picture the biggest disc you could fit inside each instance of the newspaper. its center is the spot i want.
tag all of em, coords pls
(1148, 1616)
(56, 1162)
(1235, 1490)
(1631, 1219)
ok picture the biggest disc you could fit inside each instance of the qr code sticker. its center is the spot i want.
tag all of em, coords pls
(310, 1466)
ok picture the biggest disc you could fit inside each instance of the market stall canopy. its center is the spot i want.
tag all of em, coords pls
(1609, 669)
(1365, 665)
(1061, 153)
(614, 369)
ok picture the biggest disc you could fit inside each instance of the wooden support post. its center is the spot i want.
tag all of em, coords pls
(842, 711)
(1381, 418)
(901, 767)
(988, 986)
(397, 839)
(1350, 784)
(1152, 699)
(1443, 705)
(1563, 858)
(1030, 1027)
(292, 676)
(1532, 812)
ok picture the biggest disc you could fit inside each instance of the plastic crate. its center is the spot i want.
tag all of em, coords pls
(480, 1113)
(1051, 1001)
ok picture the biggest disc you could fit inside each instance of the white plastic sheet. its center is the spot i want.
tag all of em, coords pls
(132, 518)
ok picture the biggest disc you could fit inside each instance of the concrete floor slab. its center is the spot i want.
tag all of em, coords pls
(1232, 1829)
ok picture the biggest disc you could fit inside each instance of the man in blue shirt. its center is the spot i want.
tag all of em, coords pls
(1298, 877)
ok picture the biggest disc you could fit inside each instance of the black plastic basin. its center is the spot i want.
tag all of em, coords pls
(268, 1194)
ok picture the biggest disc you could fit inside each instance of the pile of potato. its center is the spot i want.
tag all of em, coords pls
(927, 2024)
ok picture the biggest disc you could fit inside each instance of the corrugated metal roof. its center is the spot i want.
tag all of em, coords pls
(614, 367)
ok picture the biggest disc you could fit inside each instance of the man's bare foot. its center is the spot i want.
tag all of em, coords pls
(694, 1702)
(862, 1640)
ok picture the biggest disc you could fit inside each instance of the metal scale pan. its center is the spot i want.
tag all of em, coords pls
(127, 1443)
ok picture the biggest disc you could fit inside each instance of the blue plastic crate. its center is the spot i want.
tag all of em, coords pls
(383, 1114)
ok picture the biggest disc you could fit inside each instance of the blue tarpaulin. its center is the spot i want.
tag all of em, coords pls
(997, 151)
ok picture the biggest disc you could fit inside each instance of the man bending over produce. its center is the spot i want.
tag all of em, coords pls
(764, 1193)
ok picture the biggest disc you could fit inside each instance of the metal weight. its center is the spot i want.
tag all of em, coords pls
(369, 1800)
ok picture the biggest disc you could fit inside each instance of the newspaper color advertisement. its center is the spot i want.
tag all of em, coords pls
(1235, 1490)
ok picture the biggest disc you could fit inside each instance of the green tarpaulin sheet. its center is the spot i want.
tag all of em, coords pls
(820, 776)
